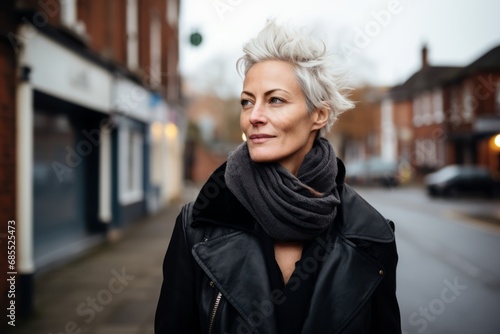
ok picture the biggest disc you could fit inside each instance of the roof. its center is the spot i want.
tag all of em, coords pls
(426, 78)
(490, 61)
(433, 76)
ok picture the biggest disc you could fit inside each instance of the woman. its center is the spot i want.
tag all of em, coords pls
(275, 241)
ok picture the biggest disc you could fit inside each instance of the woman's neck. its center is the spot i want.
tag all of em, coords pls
(287, 254)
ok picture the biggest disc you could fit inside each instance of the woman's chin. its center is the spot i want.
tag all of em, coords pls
(261, 157)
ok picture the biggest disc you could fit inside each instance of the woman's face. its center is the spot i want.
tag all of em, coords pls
(274, 115)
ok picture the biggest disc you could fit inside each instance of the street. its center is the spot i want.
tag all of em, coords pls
(449, 268)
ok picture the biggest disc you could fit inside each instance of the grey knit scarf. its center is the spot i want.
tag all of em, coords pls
(288, 208)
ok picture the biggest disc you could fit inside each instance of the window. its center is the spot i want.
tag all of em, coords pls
(132, 32)
(155, 52)
(422, 109)
(130, 168)
(417, 114)
(468, 103)
(426, 108)
(68, 13)
(455, 118)
(437, 106)
(172, 13)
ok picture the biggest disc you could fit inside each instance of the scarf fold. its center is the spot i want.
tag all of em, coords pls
(288, 207)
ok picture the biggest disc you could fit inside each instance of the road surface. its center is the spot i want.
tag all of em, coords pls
(449, 260)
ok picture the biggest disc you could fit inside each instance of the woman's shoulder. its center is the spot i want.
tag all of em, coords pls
(360, 220)
(184, 222)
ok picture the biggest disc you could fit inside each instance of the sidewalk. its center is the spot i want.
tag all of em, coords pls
(111, 290)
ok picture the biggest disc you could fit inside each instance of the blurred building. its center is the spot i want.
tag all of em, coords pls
(91, 123)
(446, 115)
(214, 130)
(357, 134)
(365, 141)
(415, 117)
(472, 102)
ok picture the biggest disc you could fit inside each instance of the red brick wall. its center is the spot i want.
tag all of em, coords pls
(485, 92)
(117, 26)
(144, 34)
(205, 164)
(106, 28)
(149, 9)
(171, 55)
(403, 122)
(94, 14)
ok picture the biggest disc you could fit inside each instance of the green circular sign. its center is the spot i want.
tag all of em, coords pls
(195, 38)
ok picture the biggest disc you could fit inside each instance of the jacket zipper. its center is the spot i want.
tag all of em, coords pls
(214, 312)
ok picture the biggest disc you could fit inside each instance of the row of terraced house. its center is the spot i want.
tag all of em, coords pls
(91, 119)
(445, 115)
(441, 115)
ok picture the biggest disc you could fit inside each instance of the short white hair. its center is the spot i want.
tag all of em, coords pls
(321, 83)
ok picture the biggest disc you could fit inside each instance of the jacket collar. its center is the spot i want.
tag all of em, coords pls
(236, 264)
(217, 205)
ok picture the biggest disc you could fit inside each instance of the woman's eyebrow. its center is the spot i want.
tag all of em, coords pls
(269, 92)
(247, 93)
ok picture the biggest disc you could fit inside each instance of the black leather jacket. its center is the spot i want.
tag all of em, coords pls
(216, 281)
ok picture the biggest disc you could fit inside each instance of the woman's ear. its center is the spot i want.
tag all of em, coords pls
(320, 118)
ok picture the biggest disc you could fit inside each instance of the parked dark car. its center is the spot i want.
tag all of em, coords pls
(373, 171)
(461, 179)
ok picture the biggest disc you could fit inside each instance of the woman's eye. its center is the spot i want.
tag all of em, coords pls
(273, 100)
(245, 103)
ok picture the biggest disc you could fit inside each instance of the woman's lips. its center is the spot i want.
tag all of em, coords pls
(260, 138)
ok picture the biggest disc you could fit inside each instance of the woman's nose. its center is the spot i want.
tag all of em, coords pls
(257, 116)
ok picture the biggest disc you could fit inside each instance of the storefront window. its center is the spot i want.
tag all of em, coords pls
(131, 159)
(59, 177)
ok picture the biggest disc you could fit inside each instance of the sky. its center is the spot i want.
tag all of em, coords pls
(377, 42)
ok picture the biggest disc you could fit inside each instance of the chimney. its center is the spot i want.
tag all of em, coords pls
(425, 62)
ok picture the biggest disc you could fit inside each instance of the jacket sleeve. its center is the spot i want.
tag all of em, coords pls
(176, 311)
(386, 316)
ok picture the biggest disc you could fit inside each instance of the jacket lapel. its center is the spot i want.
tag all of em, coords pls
(345, 284)
(349, 276)
(236, 264)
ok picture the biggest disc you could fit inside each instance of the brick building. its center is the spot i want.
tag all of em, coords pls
(446, 115)
(473, 113)
(90, 117)
(418, 116)
(357, 134)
